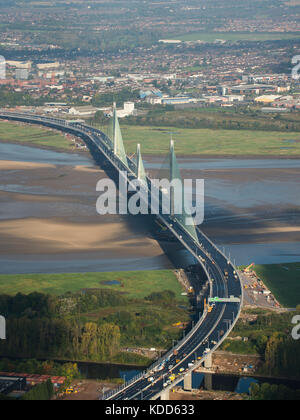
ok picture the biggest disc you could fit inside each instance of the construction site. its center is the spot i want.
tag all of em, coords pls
(255, 291)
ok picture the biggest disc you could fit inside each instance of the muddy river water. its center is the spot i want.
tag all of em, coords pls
(48, 221)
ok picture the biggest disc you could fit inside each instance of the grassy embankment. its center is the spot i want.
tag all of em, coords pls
(155, 140)
(272, 139)
(34, 135)
(215, 131)
(135, 284)
(283, 280)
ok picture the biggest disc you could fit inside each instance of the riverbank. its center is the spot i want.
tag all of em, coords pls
(71, 150)
(149, 156)
(283, 281)
(88, 369)
(196, 143)
(273, 287)
(211, 142)
(220, 156)
(133, 284)
(35, 136)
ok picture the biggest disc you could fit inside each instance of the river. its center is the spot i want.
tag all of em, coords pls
(252, 206)
(252, 210)
(20, 153)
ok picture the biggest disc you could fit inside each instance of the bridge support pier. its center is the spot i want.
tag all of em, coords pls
(165, 395)
(208, 361)
(208, 378)
(187, 382)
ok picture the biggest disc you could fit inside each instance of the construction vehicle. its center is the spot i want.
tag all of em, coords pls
(248, 269)
(71, 391)
(208, 306)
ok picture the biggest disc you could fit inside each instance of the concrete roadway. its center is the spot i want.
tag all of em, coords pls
(213, 329)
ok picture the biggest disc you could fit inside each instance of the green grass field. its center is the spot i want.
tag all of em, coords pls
(237, 36)
(136, 284)
(35, 135)
(131, 359)
(283, 280)
(155, 140)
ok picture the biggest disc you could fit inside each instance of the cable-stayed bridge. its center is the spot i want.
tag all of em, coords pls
(218, 317)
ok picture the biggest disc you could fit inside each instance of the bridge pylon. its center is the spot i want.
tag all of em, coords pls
(140, 169)
(116, 137)
(175, 175)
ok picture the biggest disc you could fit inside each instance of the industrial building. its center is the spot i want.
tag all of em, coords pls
(177, 100)
(9, 384)
(29, 379)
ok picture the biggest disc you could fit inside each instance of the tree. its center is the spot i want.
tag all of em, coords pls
(41, 392)
(100, 118)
